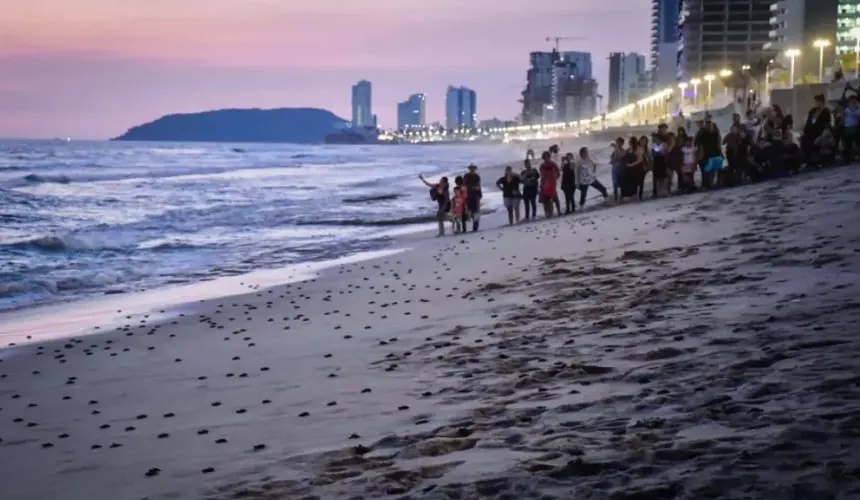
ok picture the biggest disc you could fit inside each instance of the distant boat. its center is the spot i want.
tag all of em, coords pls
(62, 139)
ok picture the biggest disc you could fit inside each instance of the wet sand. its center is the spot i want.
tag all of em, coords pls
(693, 347)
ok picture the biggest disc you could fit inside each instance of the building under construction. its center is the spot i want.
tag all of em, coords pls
(559, 88)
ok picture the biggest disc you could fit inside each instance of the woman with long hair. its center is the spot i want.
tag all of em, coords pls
(511, 195)
(549, 173)
(440, 193)
(586, 173)
(568, 183)
(530, 179)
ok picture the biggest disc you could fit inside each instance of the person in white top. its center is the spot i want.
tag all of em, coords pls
(586, 176)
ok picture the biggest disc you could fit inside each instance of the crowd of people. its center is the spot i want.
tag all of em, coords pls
(764, 146)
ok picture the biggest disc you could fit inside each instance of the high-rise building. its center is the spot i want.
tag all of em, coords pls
(847, 19)
(797, 24)
(628, 79)
(574, 92)
(580, 62)
(665, 38)
(559, 87)
(461, 106)
(717, 34)
(362, 106)
(411, 113)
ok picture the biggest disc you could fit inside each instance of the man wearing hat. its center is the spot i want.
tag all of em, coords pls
(472, 181)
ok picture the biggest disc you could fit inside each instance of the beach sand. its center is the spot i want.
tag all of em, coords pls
(693, 347)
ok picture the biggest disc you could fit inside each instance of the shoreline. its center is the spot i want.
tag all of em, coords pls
(690, 348)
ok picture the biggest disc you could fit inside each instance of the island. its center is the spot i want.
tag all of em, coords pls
(294, 125)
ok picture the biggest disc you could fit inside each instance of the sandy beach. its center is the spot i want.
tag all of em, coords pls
(685, 348)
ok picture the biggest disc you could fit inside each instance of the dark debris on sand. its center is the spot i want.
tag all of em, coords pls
(714, 354)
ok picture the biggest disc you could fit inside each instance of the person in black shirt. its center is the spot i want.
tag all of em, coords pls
(530, 179)
(817, 121)
(568, 183)
(441, 194)
(472, 181)
(737, 145)
(660, 152)
(510, 186)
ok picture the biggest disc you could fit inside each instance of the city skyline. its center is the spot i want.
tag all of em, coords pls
(94, 71)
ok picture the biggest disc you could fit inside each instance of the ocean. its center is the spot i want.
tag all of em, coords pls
(80, 219)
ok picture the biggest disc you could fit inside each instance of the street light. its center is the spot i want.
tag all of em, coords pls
(792, 54)
(725, 73)
(695, 82)
(710, 79)
(766, 95)
(683, 86)
(820, 45)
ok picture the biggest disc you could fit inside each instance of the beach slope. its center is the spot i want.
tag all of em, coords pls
(693, 347)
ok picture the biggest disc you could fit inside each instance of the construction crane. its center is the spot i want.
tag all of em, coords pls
(558, 39)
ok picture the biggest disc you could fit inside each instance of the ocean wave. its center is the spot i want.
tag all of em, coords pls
(400, 221)
(67, 243)
(106, 176)
(39, 179)
(369, 199)
(97, 279)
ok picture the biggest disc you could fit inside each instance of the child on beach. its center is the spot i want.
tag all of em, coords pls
(459, 212)
(690, 166)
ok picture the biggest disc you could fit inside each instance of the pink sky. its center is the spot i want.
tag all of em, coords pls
(93, 68)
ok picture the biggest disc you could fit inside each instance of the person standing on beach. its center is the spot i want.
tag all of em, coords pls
(660, 153)
(440, 193)
(634, 161)
(618, 165)
(510, 186)
(549, 173)
(568, 183)
(817, 121)
(674, 163)
(660, 173)
(472, 181)
(850, 124)
(530, 179)
(709, 148)
(459, 212)
(586, 176)
(646, 166)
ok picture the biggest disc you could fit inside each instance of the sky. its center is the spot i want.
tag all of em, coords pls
(90, 69)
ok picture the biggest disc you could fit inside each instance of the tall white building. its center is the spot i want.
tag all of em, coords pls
(411, 113)
(628, 79)
(796, 24)
(717, 34)
(362, 105)
(665, 40)
(848, 18)
(461, 106)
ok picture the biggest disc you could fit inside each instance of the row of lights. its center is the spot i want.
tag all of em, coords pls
(644, 103)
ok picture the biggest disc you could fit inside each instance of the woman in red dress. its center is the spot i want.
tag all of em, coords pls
(549, 173)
